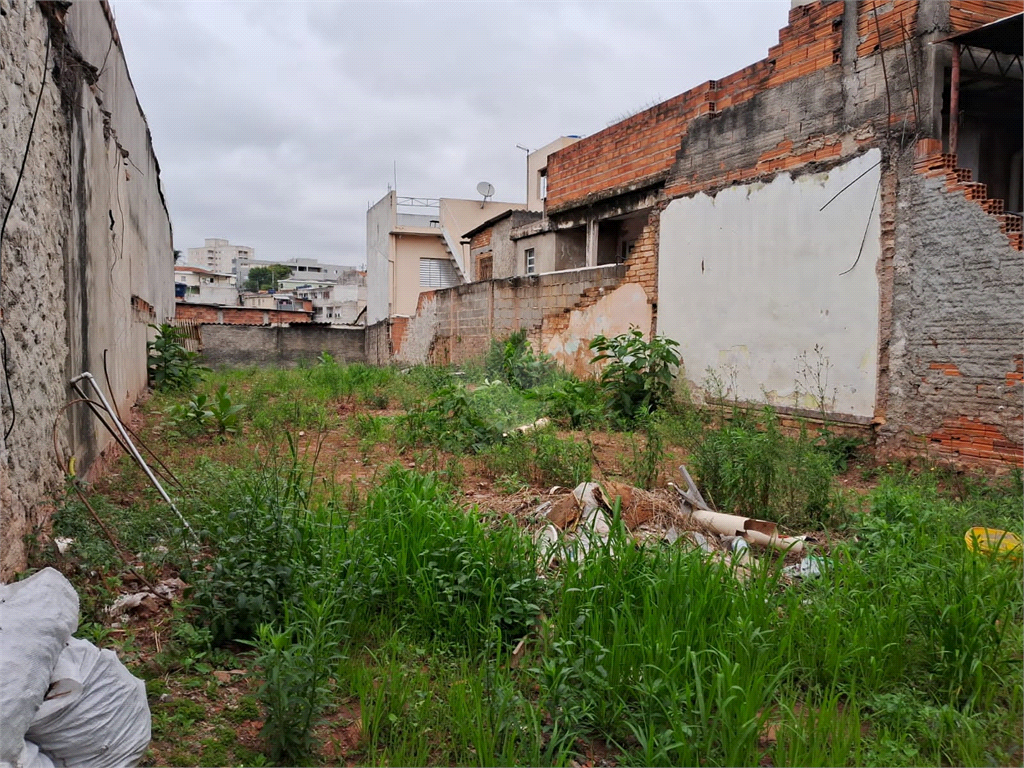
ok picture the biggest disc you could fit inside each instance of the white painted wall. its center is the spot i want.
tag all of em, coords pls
(380, 221)
(750, 279)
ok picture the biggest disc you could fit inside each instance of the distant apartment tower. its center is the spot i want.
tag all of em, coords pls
(301, 268)
(218, 255)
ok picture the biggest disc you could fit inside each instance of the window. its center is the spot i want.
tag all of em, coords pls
(543, 183)
(531, 264)
(437, 273)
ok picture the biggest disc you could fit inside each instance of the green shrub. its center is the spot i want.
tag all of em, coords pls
(459, 420)
(298, 661)
(573, 403)
(541, 457)
(171, 366)
(513, 361)
(637, 377)
(750, 468)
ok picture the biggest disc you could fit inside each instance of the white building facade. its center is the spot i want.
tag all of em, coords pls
(203, 286)
(218, 255)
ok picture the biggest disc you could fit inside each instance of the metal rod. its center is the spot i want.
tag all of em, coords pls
(954, 99)
(131, 446)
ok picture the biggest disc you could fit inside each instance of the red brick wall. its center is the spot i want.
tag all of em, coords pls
(481, 239)
(968, 14)
(207, 313)
(641, 149)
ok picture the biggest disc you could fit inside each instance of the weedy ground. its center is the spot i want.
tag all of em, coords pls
(362, 578)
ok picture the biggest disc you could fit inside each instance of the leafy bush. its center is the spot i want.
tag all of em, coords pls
(638, 375)
(171, 366)
(225, 415)
(459, 420)
(573, 403)
(514, 362)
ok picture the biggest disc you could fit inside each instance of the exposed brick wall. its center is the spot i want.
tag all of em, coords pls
(641, 149)
(481, 239)
(208, 313)
(955, 344)
(965, 14)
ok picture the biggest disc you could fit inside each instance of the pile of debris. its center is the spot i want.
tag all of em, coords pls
(577, 522)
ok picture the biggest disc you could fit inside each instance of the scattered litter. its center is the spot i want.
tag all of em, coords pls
(527, 428)
(573, 524)
(759, 532)
(988, 540)
(147, 603)
(63, 542)
(808, 568)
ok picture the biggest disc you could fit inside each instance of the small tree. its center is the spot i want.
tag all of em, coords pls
(265, 278)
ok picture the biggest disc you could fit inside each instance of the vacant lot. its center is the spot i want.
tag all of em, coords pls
(364, 587)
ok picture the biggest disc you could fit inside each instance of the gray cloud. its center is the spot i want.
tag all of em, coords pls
(277, 123)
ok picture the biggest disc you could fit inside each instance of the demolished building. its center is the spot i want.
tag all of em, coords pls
(814, 230)
(87, 256)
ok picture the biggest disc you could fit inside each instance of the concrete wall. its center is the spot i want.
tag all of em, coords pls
(87, 259)
(380, 220)
(241, 345)
(457, 217)
(757, 275)
(543, 252)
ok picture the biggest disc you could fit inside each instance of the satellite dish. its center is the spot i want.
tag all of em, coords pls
(486, 189)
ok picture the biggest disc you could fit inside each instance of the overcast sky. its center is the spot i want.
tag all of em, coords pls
(277, 123)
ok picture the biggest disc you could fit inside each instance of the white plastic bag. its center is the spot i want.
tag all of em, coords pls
(96, 714)
(37, 617)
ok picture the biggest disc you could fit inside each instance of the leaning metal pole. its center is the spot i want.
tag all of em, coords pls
(131, 446)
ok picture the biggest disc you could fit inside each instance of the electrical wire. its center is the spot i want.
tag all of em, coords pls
(3, 228)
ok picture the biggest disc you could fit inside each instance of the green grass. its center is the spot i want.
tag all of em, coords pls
(406, 606)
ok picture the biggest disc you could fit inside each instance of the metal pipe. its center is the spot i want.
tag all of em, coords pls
(954, 99)
(131, 446)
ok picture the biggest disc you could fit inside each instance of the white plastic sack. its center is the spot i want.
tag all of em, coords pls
(37, 617)
(95, 715)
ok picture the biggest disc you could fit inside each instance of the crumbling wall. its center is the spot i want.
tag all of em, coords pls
(767, 284)
(31, 277)
(955, 358)
(87, 259)
(455, 325)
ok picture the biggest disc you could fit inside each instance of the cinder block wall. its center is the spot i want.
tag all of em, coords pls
(241, 345)
(455, 325)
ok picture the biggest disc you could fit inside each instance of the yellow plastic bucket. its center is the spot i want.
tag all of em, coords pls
(988, 540)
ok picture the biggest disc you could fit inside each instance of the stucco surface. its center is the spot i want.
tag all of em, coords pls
(615, 313)
(87, 258)
(751, 279)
